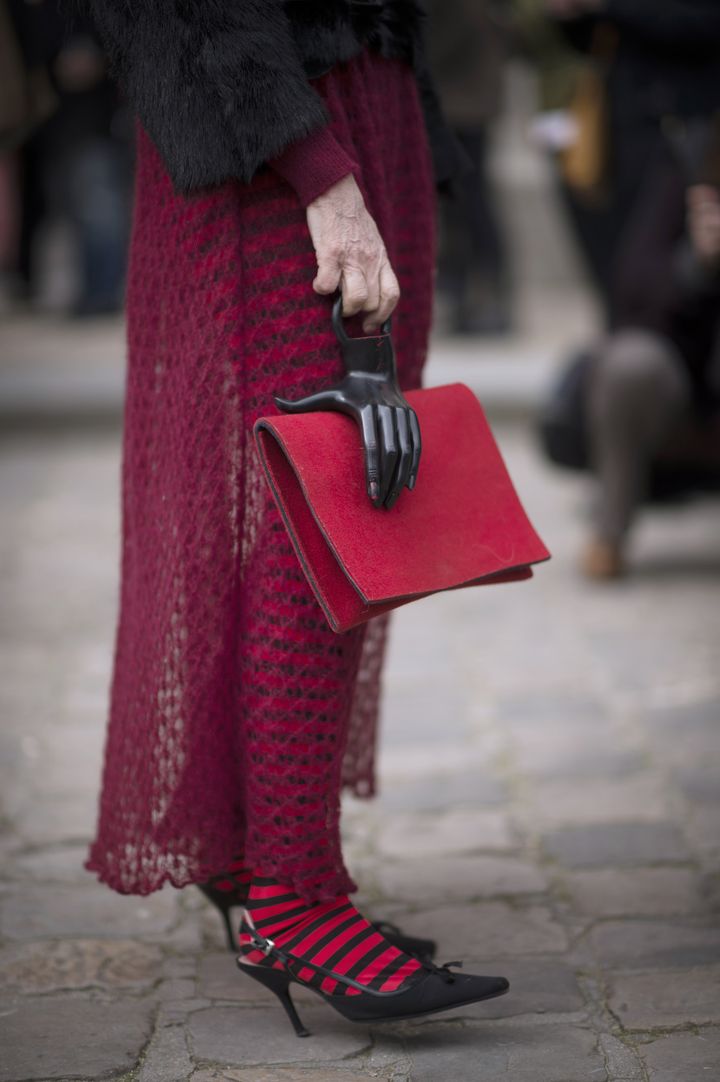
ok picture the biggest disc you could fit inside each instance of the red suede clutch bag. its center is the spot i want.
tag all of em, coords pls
(462, 525)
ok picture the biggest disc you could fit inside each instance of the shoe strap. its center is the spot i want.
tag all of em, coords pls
(271, 950)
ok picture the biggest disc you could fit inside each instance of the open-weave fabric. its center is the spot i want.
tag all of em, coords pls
(236, 714)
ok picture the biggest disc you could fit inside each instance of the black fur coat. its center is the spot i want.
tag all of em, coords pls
(222, 86)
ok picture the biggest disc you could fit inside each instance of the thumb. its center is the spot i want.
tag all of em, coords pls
(319, 401)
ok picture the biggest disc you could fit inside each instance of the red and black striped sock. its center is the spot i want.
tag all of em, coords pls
(235, 879)
(330, 934)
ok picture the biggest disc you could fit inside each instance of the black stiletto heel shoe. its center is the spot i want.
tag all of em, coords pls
(227, 900)
(278, 981)
(436, 989)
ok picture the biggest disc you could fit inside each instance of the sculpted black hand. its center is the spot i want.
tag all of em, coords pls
(370, 394)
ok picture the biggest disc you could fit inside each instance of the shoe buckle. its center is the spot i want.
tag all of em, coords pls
(267, 946)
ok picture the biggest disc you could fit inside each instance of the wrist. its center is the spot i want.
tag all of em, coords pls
(314, 164)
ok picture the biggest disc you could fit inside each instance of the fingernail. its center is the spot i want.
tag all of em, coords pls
(374, 490)
(411, 482)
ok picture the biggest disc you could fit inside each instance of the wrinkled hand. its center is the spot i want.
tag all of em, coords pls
(351, 255)
(369, 393)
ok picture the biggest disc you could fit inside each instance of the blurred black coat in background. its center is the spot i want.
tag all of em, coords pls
(663, 85)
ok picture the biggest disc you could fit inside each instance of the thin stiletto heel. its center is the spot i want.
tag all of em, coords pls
(278, 982)
(224, 901)
(230, 935)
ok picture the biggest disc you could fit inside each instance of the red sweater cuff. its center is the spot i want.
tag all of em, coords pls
(314, 164)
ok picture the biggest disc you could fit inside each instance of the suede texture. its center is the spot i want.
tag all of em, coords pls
(462, 525)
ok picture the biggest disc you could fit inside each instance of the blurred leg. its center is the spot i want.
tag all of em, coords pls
(33, 208)
(473, 267)
(639, 391)
(98, 205)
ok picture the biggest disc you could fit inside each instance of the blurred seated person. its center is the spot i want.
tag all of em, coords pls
(653, 390)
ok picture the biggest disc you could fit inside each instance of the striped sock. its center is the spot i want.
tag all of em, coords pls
(331, 934)
(236, 878)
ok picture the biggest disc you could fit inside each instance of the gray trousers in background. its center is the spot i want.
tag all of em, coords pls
(639, 392)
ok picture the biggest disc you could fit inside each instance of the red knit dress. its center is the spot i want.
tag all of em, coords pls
(236, 713)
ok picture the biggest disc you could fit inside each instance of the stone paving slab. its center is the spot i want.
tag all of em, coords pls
(701, 783)
(490, 930)
(435, 792)
(523, 712)
(567, 749)
(61, 1036)
(659, 944)
(684, 1056)
(644, 1001)
(218, 977)
(58, 864)
(87, 910)
(58, 819)
(75, 964)
(263, 1035)
(461, 830)
(453, 878)
(702, 831)
(642, 892)
(622, 845)
(551, 806)
(514, 1051)
(622, 1062)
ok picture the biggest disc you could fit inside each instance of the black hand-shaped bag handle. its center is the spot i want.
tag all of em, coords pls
(339, 323)
(369, 392)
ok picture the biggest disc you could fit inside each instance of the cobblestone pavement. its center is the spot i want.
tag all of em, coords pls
(550, 810)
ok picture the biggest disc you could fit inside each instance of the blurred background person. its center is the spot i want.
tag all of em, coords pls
(26, 100)
(76, 166)
(642, 132)
(653, 386)
(641, 67)
(571, 125)
(657, 67)
(468, 47)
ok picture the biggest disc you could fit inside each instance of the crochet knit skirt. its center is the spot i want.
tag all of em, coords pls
(236, 714)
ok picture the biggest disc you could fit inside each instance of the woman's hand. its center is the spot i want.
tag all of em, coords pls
(351, 255)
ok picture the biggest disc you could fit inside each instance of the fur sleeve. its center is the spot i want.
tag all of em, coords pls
(217, 84)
